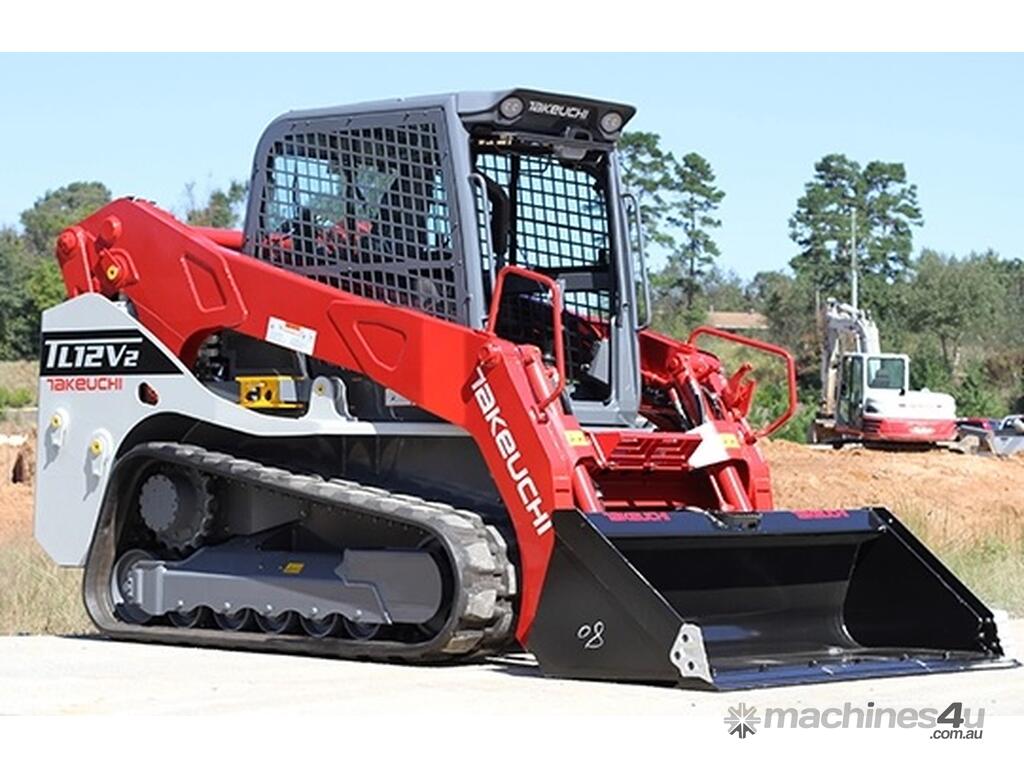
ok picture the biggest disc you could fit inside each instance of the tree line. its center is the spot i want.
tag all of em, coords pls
(960, 317)
(30, 280)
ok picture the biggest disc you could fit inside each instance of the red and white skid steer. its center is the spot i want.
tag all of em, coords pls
(412, 412)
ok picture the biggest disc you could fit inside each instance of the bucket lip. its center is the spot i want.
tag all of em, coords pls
(802, 674)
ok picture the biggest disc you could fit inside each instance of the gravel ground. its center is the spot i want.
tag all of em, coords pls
(54, 675)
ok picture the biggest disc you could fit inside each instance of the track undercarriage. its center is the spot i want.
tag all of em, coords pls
(294, 562)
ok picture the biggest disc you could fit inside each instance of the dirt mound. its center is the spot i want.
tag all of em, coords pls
(958, 498)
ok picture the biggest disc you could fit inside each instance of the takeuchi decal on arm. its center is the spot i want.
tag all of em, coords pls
(508, 448)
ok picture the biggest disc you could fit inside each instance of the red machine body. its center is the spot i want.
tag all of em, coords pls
(187, 283)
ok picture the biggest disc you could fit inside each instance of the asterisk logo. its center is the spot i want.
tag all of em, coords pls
(742, 720)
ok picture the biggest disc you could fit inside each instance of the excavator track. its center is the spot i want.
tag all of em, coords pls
(480, 617)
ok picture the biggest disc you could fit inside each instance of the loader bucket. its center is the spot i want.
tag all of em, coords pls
(730, 601)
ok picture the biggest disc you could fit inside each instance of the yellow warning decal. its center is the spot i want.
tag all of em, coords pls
(729, 440)
(577, 438)
(293, 569)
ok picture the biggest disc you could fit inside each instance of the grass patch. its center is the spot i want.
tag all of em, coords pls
(990, 562)
(15, 398)
(994, 570)
(20, 376)
(36, 596)
(18, 384)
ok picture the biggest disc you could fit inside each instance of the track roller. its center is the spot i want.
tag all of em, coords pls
(283, 624)
(239, 621)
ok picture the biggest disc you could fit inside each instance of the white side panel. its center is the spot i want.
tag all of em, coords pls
(84, 418)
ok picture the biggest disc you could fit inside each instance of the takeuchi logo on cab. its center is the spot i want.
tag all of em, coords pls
(559, 110)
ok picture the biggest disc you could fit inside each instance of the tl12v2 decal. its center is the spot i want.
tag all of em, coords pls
(101, 353)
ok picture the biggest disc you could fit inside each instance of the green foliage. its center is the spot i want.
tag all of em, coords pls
(694, 211)
(30, 280)
(976, 397)
(677, 200)
(16, 326)
(954, 300)
(222, 208)
(45, 286)
(885, 205)
(929, 371)
(771, 399)
(647, 173)
(16, 397)
(789, 304)
(725, 291)
(59, 209)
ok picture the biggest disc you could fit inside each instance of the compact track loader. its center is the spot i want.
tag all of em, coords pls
(413, 412)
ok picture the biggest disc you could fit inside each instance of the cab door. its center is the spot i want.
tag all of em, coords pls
(851, 391)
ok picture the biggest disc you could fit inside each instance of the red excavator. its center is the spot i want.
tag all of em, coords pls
(413, 411)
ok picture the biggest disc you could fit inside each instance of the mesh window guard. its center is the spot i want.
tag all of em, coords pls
(561, 222)
(366, 210)
(559, 226)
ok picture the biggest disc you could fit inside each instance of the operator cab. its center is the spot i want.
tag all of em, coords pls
(421, 202)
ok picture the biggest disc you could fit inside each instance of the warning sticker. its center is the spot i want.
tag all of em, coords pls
(291, 336)
(729, 440)
(577, 438)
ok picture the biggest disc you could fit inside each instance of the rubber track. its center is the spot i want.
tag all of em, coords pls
(481, 621)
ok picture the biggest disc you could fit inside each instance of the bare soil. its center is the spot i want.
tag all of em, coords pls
(950, 498)
(17, 468)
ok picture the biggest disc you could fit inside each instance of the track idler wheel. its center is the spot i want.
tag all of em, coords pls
(122, 588)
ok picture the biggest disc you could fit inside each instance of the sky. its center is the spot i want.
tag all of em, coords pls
(147, 125)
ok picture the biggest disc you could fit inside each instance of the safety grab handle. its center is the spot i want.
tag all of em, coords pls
(556, 306)
(771, 349)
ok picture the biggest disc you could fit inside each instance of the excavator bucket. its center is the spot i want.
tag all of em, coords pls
(731, 601)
